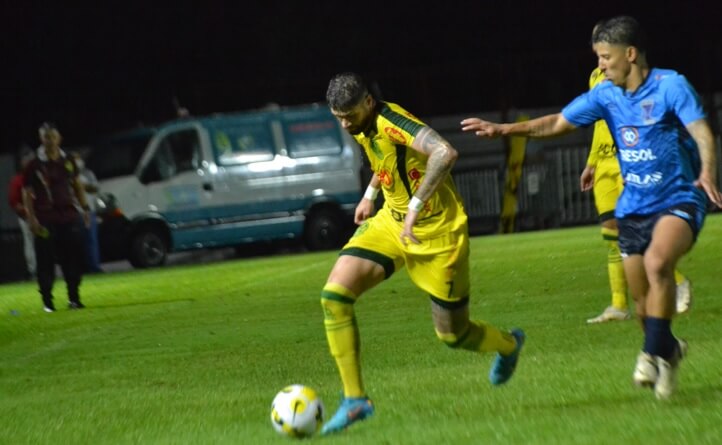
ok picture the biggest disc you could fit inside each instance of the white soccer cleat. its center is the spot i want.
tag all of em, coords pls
(645, 371)
(610, 314)
(684, 296)
(667, 380)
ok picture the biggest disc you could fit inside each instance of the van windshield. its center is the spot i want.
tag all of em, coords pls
(118, 156)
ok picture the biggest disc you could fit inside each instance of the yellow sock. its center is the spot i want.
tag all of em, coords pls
(481, 337)
(343, 336)
(615, 269)
(678, 277)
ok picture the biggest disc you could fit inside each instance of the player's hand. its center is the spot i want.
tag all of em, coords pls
(407, 234)
(86, 219)
(586, 180)
(481, 127)
(707, 183)
(36, 228)
(364, 210)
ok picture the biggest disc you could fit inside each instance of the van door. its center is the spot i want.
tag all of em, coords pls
(248, 205)
(178, 186)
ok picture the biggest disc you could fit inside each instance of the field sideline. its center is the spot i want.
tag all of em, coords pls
(195, 354)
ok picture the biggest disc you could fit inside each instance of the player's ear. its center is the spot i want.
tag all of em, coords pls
(632, 54)
(369, 100)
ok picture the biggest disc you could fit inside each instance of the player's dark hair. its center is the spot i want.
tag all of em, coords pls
(622, 30)
(345, 91)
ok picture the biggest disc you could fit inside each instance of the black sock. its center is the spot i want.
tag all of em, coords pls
(658, 338)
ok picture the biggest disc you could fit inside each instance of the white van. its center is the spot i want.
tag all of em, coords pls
(226, 180)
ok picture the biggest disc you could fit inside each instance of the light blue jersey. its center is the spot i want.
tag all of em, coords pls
(659, 159)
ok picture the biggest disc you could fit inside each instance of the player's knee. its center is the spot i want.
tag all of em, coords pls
(337, 301)
(336, 310)
(657, 266)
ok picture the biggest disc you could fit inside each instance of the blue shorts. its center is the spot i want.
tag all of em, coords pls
(635, 231)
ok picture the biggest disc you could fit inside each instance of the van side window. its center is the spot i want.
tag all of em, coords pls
(184, 149)
(315, 137)
(242, 144)
(176, 153)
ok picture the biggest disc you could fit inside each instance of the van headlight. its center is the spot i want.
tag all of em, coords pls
(105, 203)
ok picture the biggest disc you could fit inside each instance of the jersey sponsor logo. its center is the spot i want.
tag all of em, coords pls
(630, 136)
(606, 150)
(642, 155)
(648, 180)
(414, 174)
(395, 135)
(385, 178)
(401, 216)
(647, 107)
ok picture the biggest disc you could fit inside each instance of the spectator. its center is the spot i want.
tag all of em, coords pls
(90, 186)
(15, 199)
(51, 190)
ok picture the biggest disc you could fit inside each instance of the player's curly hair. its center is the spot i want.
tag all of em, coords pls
(345, 91)
(621, 30)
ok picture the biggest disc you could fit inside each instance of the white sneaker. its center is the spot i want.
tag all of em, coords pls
(684, 296)
(610, 314)
(645, 372)
(667, 380)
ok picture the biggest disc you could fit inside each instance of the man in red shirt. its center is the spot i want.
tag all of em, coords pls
(15, 199)
(52, 194)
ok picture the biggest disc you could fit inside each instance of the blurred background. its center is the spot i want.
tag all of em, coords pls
(107, 67)
(104, 68)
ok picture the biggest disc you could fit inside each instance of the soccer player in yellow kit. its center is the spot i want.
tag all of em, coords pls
(422, 226)
(603, 171)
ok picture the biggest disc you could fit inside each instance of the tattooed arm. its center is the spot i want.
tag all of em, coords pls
(441, 158)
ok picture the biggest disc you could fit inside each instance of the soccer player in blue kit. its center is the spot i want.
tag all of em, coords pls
(666, 152)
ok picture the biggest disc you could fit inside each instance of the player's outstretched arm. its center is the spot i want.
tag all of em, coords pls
(541, 127)
(707, 181)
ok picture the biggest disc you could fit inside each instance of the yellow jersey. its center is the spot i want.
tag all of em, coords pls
(401, 170)
(603, 147)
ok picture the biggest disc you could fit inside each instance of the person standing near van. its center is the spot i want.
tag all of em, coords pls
(90, 186)
(422, 225)
(15, 199)
(51, 190)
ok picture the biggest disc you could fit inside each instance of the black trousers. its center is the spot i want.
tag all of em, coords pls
(65, 246)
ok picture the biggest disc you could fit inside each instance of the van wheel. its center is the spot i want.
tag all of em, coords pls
(148, 249)
(325, 230)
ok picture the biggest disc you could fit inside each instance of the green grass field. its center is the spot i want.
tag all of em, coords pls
(195, 354)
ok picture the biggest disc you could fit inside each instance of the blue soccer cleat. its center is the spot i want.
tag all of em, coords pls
(504, 365)
(350, 411)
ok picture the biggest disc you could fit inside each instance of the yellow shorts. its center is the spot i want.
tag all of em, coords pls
(608, 186)
(438, 266)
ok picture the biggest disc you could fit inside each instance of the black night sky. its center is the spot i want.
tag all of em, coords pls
(113, 65)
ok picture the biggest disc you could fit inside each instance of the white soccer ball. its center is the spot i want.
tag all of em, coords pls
(297, 411)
